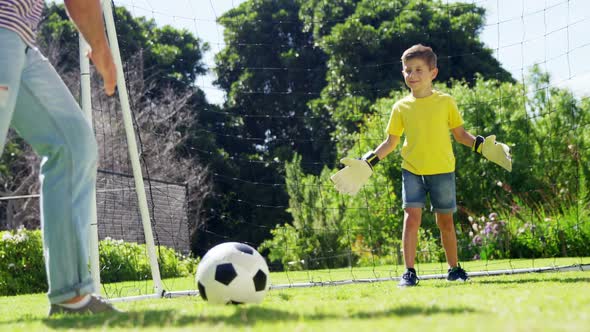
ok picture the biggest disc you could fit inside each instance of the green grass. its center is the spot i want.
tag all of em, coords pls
(553, 301)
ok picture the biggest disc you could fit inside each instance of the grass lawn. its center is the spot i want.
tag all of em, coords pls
(551, 301)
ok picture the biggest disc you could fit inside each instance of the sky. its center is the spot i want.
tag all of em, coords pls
(552, 33)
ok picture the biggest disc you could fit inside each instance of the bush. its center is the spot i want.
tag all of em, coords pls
(557, 233)
(126, 261)
(22, 268)
(488, 238)
(531, 234)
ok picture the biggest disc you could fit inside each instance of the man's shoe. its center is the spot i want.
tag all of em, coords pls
(95, 305)
(409, 279)
(457, 274)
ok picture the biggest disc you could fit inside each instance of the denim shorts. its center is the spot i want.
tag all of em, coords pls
(440, 188)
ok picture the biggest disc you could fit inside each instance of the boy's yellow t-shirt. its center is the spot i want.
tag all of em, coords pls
(426, 122)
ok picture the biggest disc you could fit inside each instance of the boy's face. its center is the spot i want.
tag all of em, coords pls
(418, 75)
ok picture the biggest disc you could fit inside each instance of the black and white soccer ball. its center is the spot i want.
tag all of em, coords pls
(232, 273)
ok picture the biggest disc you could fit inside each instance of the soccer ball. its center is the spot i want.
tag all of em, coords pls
(233, 273)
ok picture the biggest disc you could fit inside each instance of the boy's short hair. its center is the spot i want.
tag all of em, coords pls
(420, 51)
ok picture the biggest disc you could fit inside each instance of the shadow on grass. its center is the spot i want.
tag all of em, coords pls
(242, 316)
(535, 280)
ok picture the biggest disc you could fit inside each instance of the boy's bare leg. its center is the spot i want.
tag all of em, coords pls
(445, 223)
(412, 221)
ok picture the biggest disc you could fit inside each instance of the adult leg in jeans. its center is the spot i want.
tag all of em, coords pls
(12, 60)
(49, 119)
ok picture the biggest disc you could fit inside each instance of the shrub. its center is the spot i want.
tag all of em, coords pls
(127, 261)
(488, 238)
(22, 268)
(531, 234)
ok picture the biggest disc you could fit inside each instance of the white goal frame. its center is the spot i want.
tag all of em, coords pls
(86, 104)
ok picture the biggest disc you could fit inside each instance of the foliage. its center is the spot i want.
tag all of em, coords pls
(161, 65)
(364, 51)
(122, 261)
(316, 234)
(173, 56)
(18, 177)
(489, 238)
(301, 77)
(529, 233)
(11, 151)
(543, 232)
(22, 268)
(373, 217)
(269, 69)
(329, 230)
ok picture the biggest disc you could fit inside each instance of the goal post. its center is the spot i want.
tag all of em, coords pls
(86, 105)
(133, 155)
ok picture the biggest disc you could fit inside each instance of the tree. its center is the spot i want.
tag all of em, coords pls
(270, 70)
(364, 54)
(160, 65)
(172, 57)
(301, 77)
(18, 177)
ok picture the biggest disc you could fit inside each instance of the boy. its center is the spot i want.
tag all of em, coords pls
(38, 105)
(428, 166)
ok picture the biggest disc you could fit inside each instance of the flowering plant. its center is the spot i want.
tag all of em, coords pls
(489, 237)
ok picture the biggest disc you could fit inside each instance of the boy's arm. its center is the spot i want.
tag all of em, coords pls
(496, 152)
(463, 136)
(87, 16)
(387, 146)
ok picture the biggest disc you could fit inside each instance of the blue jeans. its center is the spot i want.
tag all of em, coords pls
(38, 105)
(440, 187)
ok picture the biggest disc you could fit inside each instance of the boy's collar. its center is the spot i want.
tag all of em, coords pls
(432, 92)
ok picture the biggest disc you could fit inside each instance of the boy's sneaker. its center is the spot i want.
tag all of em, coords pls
(95, 305)
(409, 278)
(457, 274)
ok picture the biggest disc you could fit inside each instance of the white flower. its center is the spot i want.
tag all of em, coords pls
(6, 236)
(20, 237)
(11, 266)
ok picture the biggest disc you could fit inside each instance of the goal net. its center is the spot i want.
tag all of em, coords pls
(233, 115)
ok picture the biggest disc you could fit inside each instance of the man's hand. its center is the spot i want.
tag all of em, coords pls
(103, 61)
(495, 152)
(87, 16)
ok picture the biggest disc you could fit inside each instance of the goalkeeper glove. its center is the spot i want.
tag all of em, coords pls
(351, 178)
(495, 152)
